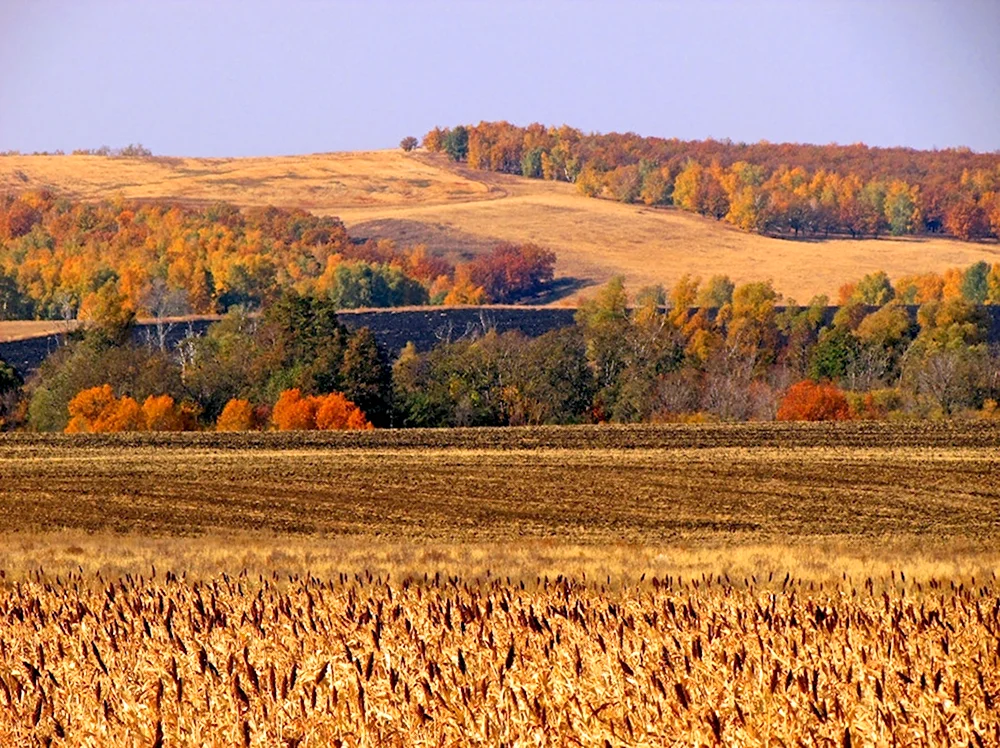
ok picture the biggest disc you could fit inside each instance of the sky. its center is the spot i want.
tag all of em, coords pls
(256, 77)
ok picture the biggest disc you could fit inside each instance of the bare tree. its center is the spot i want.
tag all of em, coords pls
(164, 304)
(869, 368)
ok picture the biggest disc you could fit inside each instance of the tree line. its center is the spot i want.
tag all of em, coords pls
(699, 351)
(776, 189)
(62, 259)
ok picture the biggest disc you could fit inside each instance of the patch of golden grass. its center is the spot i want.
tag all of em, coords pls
(11, 330)
(324, 180)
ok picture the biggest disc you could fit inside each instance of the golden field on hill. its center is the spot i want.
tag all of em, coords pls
(741, 585)
(420, 197)
(11, 330)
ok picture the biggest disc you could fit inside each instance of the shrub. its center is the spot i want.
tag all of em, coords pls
(293, 412)
(96, 410)
(511, 271)
(332, 412)
(237, 415)
(812, 401)
(337, 413)
(161, 413)
(87, 408)
(124, 415)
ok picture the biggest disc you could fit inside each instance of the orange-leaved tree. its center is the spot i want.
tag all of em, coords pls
(337, 413)
(96, 410)
(161, 413)
(814, 401)
(238, 415)
(126, 415)
(295, 412)
(87, 407)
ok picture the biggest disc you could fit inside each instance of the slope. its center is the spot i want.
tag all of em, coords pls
(423, 198)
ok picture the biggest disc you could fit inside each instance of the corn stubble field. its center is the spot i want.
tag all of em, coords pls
(739, 585)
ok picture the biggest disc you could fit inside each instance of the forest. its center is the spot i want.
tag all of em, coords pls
(782, 189)
(59, 258)
(919, 348)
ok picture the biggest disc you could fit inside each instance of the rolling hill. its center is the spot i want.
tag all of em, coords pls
(423, 198)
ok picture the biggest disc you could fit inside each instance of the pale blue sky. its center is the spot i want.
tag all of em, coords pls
(198, 77)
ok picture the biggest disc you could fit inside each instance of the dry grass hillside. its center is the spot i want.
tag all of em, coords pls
(422, 198)
(11, 330)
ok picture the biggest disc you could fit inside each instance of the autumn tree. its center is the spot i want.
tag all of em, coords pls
(993, 285)
(604, 323)
(464, 291)
(408, 143)
(109, 313)
(161, 413)
(656, 187)
(624, 183)
(966, 219)
(813, 401)
(336, 413)
(295, 412)
(750, 208)
(97, 410)
(510, 272)
(456, 143)
(717, 292)
(19, 219)
(875, 289)
(88, 406)
(126, 415)
(752, 334)
(902, 208)
(590, 181)
(689, 188)
(919, 289)
(434, 140)
(882, 339)
(237, 415)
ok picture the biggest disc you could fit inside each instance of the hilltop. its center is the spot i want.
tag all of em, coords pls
(424, 198)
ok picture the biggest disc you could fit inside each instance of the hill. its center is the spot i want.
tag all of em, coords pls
(422, 197)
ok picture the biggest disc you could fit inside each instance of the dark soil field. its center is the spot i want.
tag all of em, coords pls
(741, 483)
